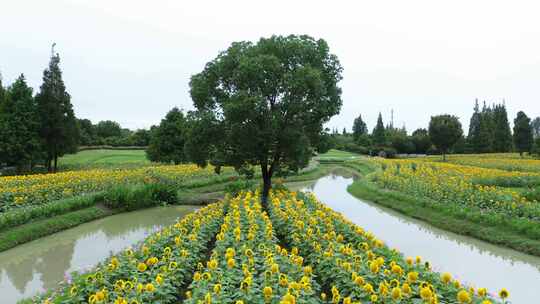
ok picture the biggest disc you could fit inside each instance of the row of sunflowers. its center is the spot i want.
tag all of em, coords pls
(300, 251)
(17, 191)
(456, 185)
(356, 266)
(503, 161)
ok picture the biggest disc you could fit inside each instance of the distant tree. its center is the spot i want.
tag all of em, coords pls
(2, 94)
(444, 132)
(421, 141)
(19, 144)
(141, 138)
(58, 129)
(523, 134)
(536, 147)
(168, 140)
(474, 128)
(108, 128)
(359, 128)
(87, 132)
(502, 135)
(379, 133)
(344, 131)
(264, 105)
(326, 142)
(535, 125)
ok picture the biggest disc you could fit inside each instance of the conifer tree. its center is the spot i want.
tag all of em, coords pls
(19, 144)
(523, 135)
(502, 138)
(58, 128)
(359, 128)
(379, 132)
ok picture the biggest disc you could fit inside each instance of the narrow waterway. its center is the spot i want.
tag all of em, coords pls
(33, 267)
(473, 262)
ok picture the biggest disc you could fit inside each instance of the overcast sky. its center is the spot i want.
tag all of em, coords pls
(131, 61)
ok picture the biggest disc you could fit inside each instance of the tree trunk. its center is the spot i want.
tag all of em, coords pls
(49, 164)
(55, 163)
(267, 184)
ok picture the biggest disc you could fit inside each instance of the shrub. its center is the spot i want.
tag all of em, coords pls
(234, 188)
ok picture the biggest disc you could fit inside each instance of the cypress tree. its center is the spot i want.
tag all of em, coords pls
(20, 144)
(58, 128)
(474, 128)
(379, 133)
(502, 139)
(359, 128)
(523, 135)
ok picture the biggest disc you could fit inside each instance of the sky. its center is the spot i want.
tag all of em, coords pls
(131, 61)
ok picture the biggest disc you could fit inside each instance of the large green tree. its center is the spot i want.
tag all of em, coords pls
(502, 135)
(58, 130)
(444, 132)
(359, 128)
(19, 144)
(264, 104)
(421, 141)
(108, 128)
(168, 139)
(523, 134)
(379, 132)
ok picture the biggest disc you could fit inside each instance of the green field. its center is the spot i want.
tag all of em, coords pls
(336, 156)
(103, 159)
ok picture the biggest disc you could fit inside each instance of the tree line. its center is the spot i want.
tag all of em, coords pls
(38, 129)
(489, 132)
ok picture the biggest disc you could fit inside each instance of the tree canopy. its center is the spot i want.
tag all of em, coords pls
(264, 104)
(168, 140)
(444, 132)
(20, 145)
(58, 128)
(379, 132)
(523, 134)
(359, 128)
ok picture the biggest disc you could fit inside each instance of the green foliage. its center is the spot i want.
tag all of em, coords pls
(264, 104)
(167, 142)
(502, 135)
(108, 128)
(535, 125)
(19, 144)
(24, 215)
(359, 128)
(234, 188)
(444, 132)
(536, 148)
(128, 197)
(421, 141)
(58, 129)
(379, 133)
(523, 135)
(48, 226)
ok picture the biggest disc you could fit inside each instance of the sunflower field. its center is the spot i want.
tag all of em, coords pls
(460, 186)
(16, 191)
(296, 250)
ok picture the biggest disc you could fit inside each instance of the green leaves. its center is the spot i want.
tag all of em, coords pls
(264, 104)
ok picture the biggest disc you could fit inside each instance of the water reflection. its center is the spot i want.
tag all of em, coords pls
(39, 265)
(469, 259)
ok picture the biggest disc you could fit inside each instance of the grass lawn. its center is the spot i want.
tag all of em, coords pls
(334, 155)
(103, 159)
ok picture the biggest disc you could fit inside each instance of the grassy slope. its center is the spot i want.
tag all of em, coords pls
(428, 211)
(103, 158)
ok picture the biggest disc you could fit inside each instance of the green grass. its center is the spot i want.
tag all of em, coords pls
(491, 228)
(336, 156)
(103, 159)
(41, 228)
